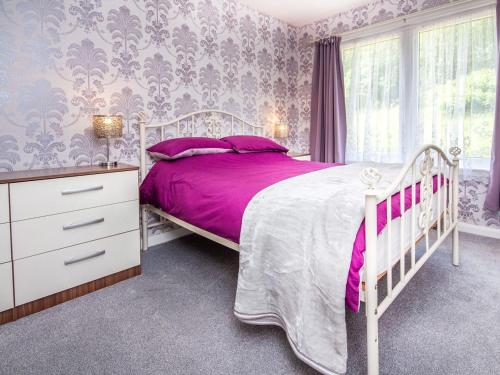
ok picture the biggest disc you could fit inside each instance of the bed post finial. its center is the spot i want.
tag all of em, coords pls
(371, 177)
(142, 120)
(455, 151)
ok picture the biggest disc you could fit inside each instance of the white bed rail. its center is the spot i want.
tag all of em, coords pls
(212, 123)
(427, 164)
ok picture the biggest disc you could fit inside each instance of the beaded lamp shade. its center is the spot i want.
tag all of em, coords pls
(107, 126)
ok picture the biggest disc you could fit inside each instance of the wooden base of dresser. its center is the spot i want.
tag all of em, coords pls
(67, 295)
(6, 316)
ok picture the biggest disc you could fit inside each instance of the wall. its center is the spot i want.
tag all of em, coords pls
(473, 189)
(62, 61)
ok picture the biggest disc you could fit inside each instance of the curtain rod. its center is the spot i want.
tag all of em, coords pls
(458, 6)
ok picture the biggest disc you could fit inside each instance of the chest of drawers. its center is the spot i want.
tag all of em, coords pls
(62, 230)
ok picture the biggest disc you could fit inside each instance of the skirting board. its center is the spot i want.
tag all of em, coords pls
(479, 230)
(66, 295)
(160, 238)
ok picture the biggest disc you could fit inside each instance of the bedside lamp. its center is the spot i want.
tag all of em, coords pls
(107, 127)
(280, 131)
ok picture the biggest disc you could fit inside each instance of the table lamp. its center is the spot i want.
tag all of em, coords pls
(280, 131)
(108, 127)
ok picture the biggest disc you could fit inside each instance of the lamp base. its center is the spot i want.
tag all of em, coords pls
(108, 164)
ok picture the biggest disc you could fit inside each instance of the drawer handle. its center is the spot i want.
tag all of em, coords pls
(84, 224)
(85, 257)
(82, 190)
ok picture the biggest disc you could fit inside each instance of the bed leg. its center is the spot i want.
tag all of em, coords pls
(455, 248)
(372, 342)
(144, 229)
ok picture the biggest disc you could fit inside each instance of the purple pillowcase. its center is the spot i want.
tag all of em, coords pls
(253, 143)
(177, 148)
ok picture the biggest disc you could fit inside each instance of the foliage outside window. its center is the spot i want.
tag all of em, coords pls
(427, 84)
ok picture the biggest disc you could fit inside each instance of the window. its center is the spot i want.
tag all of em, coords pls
(372, 107)
(456, 92)
(429, 84)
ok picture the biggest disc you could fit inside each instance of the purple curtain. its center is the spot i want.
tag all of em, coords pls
(492, 201)
(328, 119)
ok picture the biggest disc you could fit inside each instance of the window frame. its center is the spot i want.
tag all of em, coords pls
(409, 33)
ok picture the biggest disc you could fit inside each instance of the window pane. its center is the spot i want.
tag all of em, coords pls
(371, 77)
(457, 87)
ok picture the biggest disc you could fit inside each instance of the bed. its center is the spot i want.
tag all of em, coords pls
(212, 195)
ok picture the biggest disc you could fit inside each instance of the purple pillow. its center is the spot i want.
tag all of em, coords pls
(177, 148)
(253, 143)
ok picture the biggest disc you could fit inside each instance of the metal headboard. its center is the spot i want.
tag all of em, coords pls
(211, 126)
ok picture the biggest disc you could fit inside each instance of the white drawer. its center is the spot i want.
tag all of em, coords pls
(6, 291)
(49, 197)
(5, 255)
(35, 236)
(42, 275)
(4, 203)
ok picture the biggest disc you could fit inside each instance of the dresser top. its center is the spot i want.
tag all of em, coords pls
(46, 174)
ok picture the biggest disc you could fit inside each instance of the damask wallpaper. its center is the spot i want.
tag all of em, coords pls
(63, 60)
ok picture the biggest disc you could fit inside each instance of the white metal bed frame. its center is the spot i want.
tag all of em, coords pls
(444, 221)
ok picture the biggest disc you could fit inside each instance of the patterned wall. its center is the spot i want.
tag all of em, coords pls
(63, 60)
(474, 186)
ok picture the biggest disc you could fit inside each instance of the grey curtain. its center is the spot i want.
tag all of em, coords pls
(492, 201)
(328, 116)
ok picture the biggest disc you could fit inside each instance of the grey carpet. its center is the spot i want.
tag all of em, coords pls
(177, 319)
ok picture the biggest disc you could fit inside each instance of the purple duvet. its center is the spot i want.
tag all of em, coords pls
(212, 192)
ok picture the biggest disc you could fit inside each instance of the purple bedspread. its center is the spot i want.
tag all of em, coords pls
(212, 192)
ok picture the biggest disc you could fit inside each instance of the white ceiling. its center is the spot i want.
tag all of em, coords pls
(302, 12)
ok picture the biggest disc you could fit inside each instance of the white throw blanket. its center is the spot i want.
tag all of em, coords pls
(295, 250)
